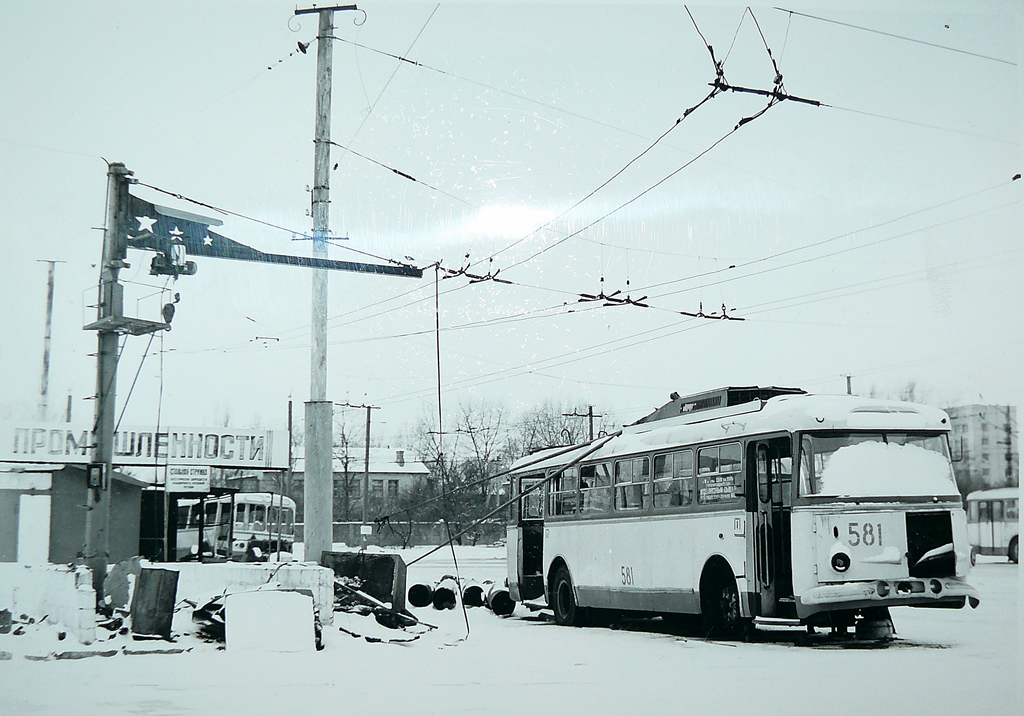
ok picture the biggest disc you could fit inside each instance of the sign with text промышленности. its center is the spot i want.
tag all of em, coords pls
(188, 478)
(66, 443)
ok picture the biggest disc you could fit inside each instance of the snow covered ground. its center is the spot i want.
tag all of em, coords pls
(943, 661)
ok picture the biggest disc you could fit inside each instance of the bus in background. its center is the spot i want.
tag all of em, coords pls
(993, 522)
(747, 506)
(246, 528)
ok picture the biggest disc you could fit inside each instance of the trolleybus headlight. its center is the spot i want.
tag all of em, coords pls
(882, 589)
(936, 586)
(840, 561)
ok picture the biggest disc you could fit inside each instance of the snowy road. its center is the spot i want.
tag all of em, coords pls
(943, 662)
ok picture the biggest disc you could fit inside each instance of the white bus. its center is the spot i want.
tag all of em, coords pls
(993, 522)
(747, 506)
(245, 526)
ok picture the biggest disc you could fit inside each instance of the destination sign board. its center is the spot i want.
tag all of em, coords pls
(188, 478)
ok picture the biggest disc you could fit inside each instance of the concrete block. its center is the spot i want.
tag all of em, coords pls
(269, 620)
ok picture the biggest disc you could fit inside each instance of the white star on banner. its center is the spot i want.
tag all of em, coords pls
(207, 241)
(176, 233)
(145, 223)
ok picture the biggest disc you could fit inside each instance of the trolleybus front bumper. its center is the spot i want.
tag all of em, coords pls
(942, 592)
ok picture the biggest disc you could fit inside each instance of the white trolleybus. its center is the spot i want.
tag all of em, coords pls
(993, 523)
(747, 506)
(244, 526)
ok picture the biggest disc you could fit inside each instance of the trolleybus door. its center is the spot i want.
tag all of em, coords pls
(764, 531)
(530, 538)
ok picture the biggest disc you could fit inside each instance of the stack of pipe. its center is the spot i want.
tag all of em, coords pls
(443, 594)
(473, 595)
(420, 595)
(498, 600)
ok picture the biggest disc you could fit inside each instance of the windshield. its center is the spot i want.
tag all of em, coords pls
(887, 464)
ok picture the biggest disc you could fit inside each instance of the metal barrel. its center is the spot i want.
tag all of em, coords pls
(420, 595)
(444, 593)
(499, 601)
(473, 595)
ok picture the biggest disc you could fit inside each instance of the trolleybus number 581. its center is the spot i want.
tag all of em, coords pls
(627, 575)
(866, 534)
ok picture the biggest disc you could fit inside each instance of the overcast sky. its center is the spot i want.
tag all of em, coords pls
(877, 235)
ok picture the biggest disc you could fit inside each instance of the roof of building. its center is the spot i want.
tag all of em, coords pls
(998, 493)
(382, 461)
(57, 467)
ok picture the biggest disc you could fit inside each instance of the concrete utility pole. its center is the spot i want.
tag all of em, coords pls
(44, 388)
(318, 485)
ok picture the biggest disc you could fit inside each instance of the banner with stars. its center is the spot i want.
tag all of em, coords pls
(168, 231)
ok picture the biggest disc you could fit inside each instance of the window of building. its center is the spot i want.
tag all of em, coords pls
(377, 488)
(984, 439)
(392, 489)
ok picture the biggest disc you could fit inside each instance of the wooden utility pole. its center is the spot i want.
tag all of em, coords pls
(366, 462)
(110, 325)
(44, 388)
(589, 415)
(109, 314)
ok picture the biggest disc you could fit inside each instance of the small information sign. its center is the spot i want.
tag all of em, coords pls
(188, 478)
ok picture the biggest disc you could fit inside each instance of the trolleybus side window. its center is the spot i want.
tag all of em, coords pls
(240, 515)
(564, 492)
(717, 471)
(258, 513)
(673, 479)
(632, 483)
(596, 488)
(1011, 510)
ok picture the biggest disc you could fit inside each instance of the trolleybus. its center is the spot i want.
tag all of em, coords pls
(245, 526)
(747, 506)
(993, 523)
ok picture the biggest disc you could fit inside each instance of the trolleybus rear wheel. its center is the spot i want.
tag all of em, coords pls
(720, 606)
(567, 612)
(1012, 552)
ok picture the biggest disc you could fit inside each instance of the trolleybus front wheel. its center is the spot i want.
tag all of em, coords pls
(567, 612)
(1012, 552)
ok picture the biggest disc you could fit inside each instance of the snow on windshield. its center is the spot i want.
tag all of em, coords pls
(886, 469)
